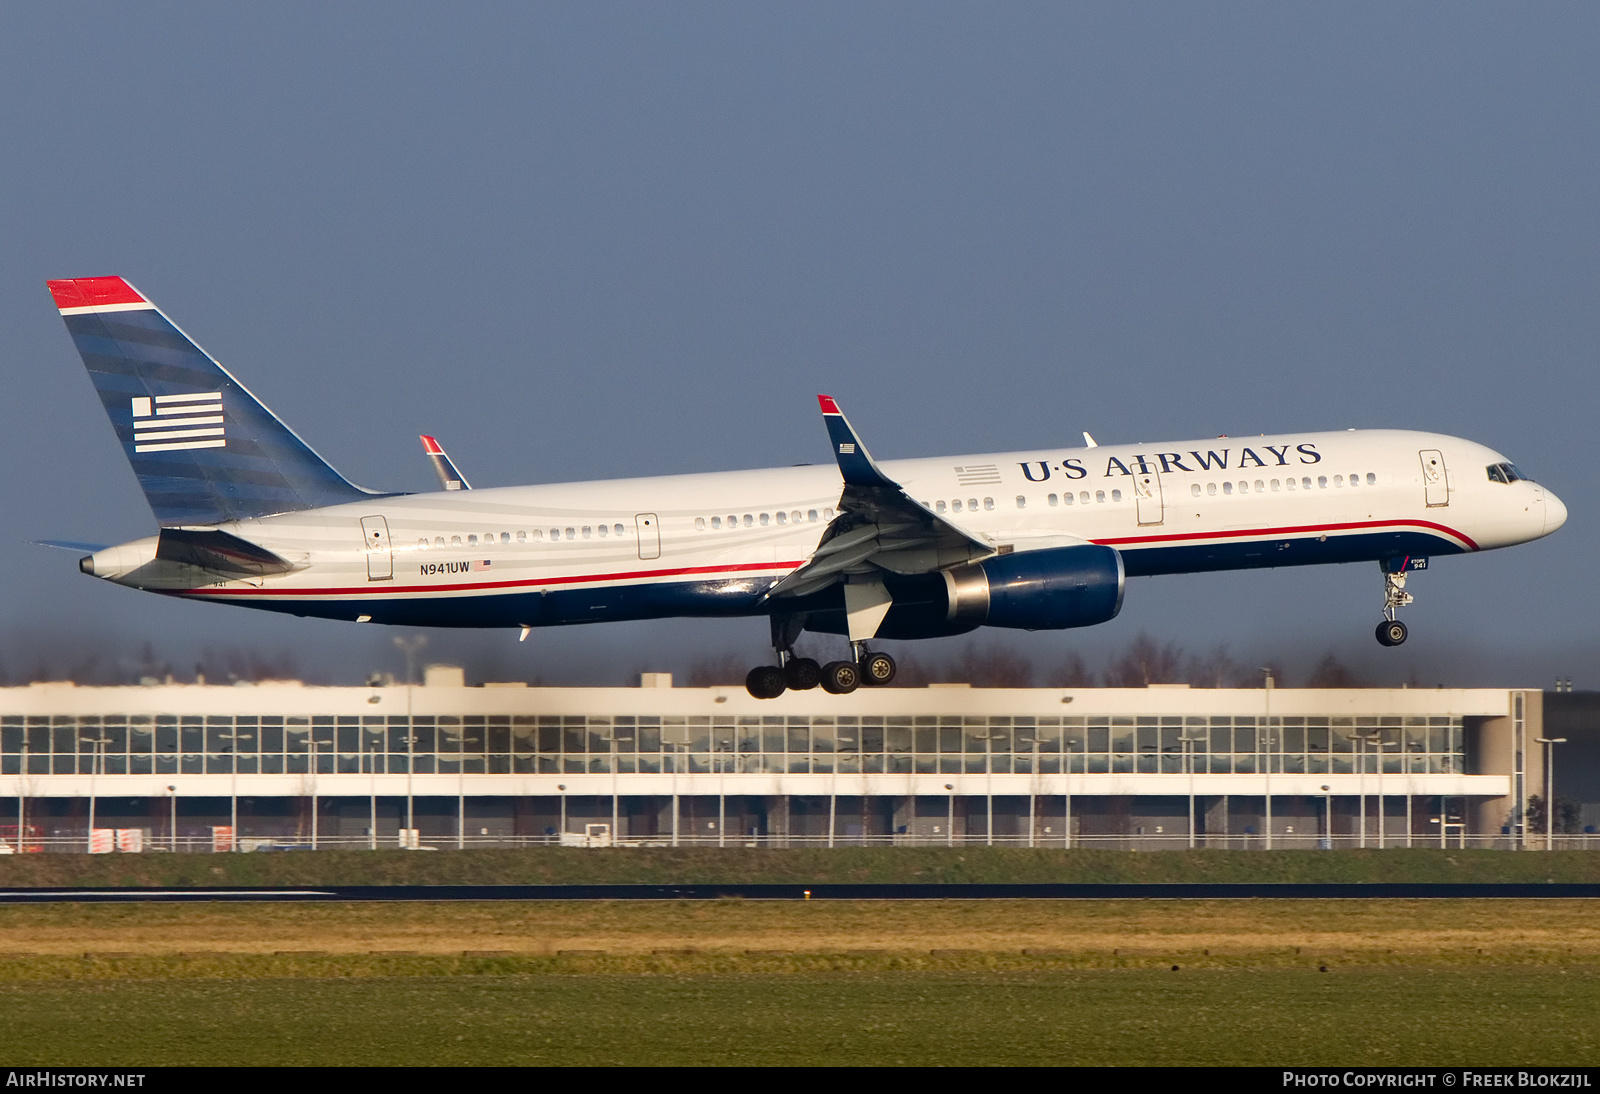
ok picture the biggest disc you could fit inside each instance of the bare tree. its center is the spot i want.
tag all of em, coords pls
(1146, 662)
(1073, 672)
(1332, 673)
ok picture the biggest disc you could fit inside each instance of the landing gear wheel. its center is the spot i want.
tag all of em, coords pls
(765, 682)
(840, 677)
(802, 674)
(877, 669)
(1391, 632)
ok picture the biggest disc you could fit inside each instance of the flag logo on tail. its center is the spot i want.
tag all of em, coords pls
(166, 423)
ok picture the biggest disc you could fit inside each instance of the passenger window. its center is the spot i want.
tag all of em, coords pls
(537, 534)
(1261, 487)
(1355, 480)
(1211, 489)
(749, 521)
(505, 537)
(1083, 496)
(422, 544)
(700, 523)
(1338, 480)
(555, 533)
(522, 536)
(938, 507)
(1305, 484)
(1194, 488)
(716, 523)
(438, 541)
(455, 541)
(1116, 495)
(1022, 502)
(1322, 482)
(972, 505)
(616, 529)
(587, 531)
(765, 519)
(811, 515)
(782, 518)
(1227, 488)
(1100, 495)
(1372, 480)
(733, 521)
(1275, 486)
(955, 506)
(571, 534)
(472, 541)
(1066, 499)
(988, 504)
(1053, 500)
(1244, 488)
(827, 514)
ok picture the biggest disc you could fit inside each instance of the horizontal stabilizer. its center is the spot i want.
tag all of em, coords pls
(71, 545)
(219, 551)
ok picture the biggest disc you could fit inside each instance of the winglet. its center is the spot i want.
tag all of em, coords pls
(855, 462)
(449, 477)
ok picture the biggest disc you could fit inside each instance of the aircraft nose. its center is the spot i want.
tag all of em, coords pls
(1555, 513)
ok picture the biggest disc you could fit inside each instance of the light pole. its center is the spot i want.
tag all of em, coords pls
(1033, 782)
(841, 746)
(1189, 741)
(410, 645)
(614, 740)
(1327, 818)
(671, 749)
(950, 815)
(1549, 788)
(1067, 744)
(94, 769)
(233, 790)
(1266, 673)
(172, 829)
(723, 746)
(1362, 739)
(988, 740)
(563, 788)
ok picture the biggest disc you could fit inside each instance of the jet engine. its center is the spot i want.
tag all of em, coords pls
(1045, 590)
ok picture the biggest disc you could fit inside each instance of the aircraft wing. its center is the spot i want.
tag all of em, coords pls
(879, 524)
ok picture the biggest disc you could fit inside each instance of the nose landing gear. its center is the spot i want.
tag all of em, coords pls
(1392, 632)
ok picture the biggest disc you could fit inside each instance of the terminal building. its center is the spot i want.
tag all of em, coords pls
(278, 764)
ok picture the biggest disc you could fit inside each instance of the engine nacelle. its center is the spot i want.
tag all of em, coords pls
(1037, 590)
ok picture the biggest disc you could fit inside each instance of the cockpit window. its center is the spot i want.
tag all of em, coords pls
(1505, 472)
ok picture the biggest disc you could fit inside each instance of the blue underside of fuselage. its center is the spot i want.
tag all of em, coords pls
(919, 605)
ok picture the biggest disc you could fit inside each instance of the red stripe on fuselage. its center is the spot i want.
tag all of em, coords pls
(367, 590)
(1298, 529)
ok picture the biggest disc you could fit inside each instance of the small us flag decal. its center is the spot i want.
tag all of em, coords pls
(169, 422)
(480, 564)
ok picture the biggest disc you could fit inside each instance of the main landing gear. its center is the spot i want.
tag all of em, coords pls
(1392, 632)
(793, 673)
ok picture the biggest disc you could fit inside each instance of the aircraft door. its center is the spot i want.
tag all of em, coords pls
(1147, 496)
(1434, 485)
(649, 535)
(380, 555)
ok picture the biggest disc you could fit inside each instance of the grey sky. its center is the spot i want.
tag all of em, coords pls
(583, 241)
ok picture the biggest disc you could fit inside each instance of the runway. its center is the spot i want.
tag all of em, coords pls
(864, 891)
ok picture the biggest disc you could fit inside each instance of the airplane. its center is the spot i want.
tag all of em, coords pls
(1045, 539)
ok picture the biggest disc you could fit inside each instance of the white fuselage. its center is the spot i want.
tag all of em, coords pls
(721, 540)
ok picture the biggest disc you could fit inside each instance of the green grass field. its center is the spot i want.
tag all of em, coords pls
(665, 866)
(1270, 982)
(1452, 1016)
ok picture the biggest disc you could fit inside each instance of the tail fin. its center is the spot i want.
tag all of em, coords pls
(449, 477)
(204, 449)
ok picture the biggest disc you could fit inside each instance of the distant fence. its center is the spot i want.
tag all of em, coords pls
(209, 844)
